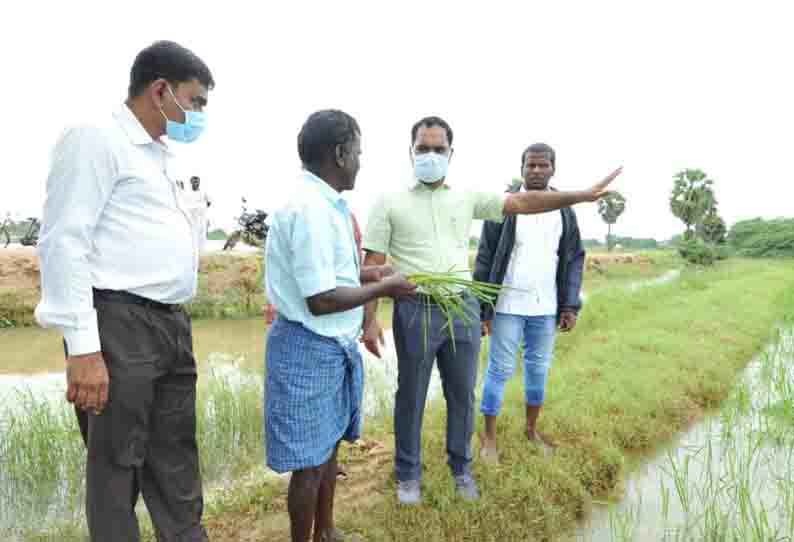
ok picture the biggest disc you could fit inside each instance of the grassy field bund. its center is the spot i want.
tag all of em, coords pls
(640, 367)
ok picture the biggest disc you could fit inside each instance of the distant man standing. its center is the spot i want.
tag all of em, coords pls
(427, 229)
(118, 258)
(315, 376)
(198, 202)
(540, 260)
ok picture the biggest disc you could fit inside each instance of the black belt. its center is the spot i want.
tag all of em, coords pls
(118, 296)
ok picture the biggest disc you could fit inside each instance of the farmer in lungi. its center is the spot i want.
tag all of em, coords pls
(314, 279)
(426, 229)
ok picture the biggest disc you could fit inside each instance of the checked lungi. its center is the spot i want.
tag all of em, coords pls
(313, 393)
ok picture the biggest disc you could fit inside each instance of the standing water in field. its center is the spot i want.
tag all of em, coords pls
(669, 276)
(730, 478)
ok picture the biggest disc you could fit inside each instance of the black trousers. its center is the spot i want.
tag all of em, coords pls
(457, 365)
(144, 442)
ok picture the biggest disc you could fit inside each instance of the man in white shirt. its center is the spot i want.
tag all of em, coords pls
(198, 203)
(540, 260)
(118, 258)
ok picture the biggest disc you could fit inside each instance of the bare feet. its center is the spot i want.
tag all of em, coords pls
(534, 436)
(488, 452)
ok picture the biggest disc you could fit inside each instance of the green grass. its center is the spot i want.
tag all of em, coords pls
(639, 368)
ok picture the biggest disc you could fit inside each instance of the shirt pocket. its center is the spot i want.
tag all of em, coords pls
(459, 222)
(147, 186)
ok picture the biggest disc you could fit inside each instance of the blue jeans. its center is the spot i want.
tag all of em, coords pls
(508, 330)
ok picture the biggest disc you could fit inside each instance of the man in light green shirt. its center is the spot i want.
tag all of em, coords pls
(427, 229)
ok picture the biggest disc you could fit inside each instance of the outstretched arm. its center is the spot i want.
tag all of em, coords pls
(537, 201)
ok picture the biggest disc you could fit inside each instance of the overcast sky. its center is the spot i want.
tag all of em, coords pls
(656, 87)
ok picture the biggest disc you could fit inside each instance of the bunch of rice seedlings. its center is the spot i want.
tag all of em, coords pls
(446, 290)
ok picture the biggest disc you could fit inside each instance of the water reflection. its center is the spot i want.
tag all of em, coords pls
(731, 475)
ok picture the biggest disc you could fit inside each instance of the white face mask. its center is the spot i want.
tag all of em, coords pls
(430, 167)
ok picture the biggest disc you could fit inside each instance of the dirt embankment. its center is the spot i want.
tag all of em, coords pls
(19, 268)
(596, 262)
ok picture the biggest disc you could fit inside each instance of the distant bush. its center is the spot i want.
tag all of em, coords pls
(699, 252)
(760, 238)
(217, 235)
(635, 243)
(592, 243)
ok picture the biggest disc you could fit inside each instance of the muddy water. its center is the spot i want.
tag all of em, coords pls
(380, 381)
(731, 475)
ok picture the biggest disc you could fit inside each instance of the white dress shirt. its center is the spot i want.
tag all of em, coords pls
(112, 219)
(532, 270)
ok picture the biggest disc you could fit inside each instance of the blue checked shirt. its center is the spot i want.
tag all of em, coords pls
(310, 250)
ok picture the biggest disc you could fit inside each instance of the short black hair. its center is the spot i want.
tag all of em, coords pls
(540, 148)
(322, 132)
(429, 122)
(195, 178)
(170, 61)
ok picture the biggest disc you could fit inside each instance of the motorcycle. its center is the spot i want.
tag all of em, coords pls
(31, 237)
(253, 230)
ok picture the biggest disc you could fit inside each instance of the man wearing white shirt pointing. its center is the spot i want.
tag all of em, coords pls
(118, 258)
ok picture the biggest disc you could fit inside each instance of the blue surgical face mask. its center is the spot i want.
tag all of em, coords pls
(430, 167)
(188, 131)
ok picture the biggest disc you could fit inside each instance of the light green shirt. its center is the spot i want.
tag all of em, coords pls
(428, 230)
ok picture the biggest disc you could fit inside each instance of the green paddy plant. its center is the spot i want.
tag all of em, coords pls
(665, 494)
(42, 456)
(41, 462)
(444, 290)
(229, 417)
(679, 473)
(623, 524)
